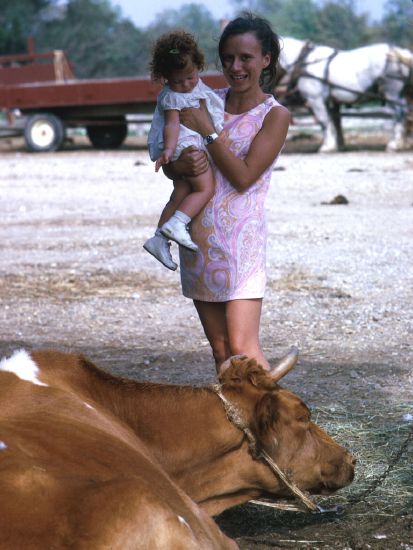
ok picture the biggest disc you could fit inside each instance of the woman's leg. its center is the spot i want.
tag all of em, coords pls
(213, 319)
(232, 328)
(243, 327)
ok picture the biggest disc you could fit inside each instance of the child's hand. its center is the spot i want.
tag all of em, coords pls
(165, 158)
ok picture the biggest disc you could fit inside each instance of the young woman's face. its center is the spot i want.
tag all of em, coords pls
(184, 80)
(243, 61)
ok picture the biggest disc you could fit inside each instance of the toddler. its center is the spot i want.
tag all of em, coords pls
(176, 61)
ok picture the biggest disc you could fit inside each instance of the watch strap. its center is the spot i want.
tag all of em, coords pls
(210, 138)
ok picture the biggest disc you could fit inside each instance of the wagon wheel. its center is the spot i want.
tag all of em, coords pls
(108, 136)
(44, 132)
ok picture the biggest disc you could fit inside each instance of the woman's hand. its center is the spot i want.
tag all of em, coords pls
(197, 120)
(191, 163)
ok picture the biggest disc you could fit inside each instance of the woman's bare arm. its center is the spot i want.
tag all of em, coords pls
(242, 173)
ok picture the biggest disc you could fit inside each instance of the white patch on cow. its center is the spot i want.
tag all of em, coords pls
(89, 406)
(184, 522)
(2, 446)
(23, 366)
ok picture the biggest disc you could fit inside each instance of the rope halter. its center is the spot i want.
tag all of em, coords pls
(235, 417)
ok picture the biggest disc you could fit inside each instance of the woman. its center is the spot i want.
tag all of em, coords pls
(226, 277)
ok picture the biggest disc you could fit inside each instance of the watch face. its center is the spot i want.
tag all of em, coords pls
(210, 139)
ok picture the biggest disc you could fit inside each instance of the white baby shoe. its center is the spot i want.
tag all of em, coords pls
(159, 247)
(177, 231)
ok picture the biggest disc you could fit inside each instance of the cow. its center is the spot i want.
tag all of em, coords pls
(73, 476)
(88, 459)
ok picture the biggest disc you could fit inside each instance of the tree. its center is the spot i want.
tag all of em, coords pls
(340, 27)
(102, 43)
(397, 23)
(301, 18)
(273, 10)
(332, 22)
(250, 5)
(97, 40)
(194, 18)
(297, 18)
(18, 21)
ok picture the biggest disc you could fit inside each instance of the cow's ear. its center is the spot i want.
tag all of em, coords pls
(265, 418)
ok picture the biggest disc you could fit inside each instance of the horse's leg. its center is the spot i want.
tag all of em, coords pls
(392, 89)
(409, 121)
(334, 111)
(399, 138)
(321, 113)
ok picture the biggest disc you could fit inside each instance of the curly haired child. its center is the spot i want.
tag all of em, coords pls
(176, 62)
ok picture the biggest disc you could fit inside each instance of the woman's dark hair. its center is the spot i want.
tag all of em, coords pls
(270, 43)
(172, 51)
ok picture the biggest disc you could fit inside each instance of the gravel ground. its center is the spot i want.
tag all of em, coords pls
(74, 276)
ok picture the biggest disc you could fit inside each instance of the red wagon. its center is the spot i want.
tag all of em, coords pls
(43, 88)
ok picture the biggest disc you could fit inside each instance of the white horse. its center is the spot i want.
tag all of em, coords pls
(325, 78)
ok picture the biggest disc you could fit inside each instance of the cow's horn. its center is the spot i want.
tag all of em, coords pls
(285, 364)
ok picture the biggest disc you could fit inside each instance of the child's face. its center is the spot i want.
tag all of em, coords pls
(184, 80)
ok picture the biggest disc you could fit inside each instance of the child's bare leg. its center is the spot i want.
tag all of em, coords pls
(181, 189)
(203, 187)
(176, 228)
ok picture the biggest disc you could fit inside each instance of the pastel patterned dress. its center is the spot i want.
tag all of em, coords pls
(231, 229)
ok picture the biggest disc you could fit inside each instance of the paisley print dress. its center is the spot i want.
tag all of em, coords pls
(231, 229)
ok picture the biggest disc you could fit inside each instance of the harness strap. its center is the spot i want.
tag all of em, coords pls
(297, 65)
(364, 95)
(327, 65)
(298, 70)
(236, 419)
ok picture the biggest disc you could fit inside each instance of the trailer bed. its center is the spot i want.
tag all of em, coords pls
(129, 95)
(42, 87)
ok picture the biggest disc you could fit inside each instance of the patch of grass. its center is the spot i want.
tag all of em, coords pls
(382, 442)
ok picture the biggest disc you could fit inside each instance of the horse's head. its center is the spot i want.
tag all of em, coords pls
(290, 51)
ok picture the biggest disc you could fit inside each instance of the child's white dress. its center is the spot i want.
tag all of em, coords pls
(169, 100)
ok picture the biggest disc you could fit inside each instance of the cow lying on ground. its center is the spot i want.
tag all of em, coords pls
(90, 460)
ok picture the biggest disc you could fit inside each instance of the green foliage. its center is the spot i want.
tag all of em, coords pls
(98, 41)
(101, 42)
(340, 27)
(194, 18)
(298, 19)
(19, 20)
(333, 22)
(397, 24)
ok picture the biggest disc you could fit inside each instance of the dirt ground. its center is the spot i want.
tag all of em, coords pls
(74, 276)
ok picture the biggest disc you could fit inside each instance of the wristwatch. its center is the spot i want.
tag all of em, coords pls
(211, 138)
